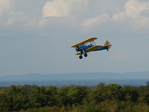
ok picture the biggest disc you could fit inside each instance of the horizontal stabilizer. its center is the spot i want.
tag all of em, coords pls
(106, 44)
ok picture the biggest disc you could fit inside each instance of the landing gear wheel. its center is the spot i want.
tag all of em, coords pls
(85, 55)
(80, 56)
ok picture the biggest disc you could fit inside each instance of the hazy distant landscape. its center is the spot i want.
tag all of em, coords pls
(87, 79)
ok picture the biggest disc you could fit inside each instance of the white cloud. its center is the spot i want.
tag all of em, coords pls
(5, 6)
(42, 23)
(30, 24)
(9, 16)
(143, 22)
(15, 18)
(57, 8)
(92, 22)
(133, 9)
(62, 8)
(6, 3)
(133, 12)
(84, 14)
(145, 12)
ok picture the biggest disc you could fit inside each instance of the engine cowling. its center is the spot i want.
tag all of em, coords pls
(77, 48)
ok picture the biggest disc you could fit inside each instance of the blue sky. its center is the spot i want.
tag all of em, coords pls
(35, 36)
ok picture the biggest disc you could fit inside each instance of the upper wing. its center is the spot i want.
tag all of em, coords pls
(89, 49)
(85, 41)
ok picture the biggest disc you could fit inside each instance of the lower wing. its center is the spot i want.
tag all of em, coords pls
(89, 49)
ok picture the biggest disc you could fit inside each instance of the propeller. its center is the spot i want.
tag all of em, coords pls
(77, 48)
(108, 43)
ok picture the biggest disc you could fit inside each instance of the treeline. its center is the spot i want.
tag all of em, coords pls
(75, 98)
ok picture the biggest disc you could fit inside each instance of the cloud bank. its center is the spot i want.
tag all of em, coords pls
(82, 14)
(135, 11)
(62, 8)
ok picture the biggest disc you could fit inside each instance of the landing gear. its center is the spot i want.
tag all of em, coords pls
(80, 56)
(85, 55)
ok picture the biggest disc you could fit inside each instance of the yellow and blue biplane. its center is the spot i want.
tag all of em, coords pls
(89, 45)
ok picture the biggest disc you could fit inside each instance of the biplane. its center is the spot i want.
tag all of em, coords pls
(89, 45)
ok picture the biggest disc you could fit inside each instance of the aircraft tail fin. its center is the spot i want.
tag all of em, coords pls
(107, 44)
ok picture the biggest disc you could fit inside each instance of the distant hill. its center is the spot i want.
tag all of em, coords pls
(77, 76)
